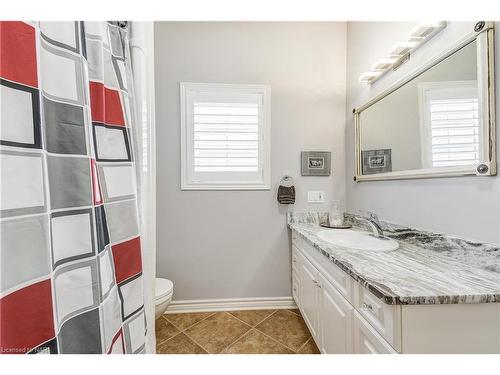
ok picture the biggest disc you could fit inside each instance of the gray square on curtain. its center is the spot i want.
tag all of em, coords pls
(81, 334)
(115, 41)
(95, 60)
(25, 250)
(64, 128)
(122, 220)
(69, 179)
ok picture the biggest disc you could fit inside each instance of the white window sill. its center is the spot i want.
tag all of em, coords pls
(225, 187)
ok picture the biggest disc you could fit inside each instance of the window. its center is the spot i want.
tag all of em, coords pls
(225, 136)
(450, 126)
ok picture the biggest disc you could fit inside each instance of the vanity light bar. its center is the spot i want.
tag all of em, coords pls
(369, 76)
(425, 29)
(383, 64)
(417, 36)
(402, 48)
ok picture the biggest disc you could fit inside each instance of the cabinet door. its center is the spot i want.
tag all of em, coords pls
(335, 320)
(367, 340)
(309, 294)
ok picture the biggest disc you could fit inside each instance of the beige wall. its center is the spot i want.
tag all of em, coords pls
(234, 244)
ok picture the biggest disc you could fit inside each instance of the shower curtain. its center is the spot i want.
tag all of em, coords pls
(70, 260)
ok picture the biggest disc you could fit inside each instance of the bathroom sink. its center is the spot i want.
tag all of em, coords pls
(357, 240)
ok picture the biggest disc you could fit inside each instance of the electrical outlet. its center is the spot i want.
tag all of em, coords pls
(315, 196)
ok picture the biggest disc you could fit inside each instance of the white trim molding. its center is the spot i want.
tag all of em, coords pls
(231, 304)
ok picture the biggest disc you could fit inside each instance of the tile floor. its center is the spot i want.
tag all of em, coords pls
(234, 332)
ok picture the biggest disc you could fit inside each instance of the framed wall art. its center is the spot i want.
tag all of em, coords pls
(315, 163)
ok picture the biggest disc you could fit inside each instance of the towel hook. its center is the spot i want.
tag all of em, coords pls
(286, 180)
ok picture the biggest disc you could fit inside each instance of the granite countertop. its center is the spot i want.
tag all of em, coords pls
(428, 268)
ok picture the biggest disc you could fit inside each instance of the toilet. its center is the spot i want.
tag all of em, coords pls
(163, 295)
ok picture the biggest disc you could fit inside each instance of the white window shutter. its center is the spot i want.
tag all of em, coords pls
(455, 132)
(225, 136)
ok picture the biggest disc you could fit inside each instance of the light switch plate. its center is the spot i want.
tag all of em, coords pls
(315, 196)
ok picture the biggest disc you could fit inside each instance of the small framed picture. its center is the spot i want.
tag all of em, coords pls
(376, 161)
(315, 163)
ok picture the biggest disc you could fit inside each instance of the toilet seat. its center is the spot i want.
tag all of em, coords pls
(163, 289)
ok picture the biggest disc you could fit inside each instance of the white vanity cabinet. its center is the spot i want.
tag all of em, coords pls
(345, 317)
(335, 325)
(326, 297)
(327, 313)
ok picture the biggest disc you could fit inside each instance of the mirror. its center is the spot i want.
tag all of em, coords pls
(438, 122)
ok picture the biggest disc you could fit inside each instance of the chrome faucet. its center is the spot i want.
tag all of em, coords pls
(372, 220)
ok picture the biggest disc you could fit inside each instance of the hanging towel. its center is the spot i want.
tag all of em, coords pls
(286, 194)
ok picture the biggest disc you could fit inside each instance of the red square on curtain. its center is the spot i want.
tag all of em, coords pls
(127, 259)
(105, 105)
(26, 319)
(18, 53)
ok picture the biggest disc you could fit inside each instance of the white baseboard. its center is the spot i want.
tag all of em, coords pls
(231, 304)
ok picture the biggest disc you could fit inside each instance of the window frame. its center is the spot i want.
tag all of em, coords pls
(188, 180)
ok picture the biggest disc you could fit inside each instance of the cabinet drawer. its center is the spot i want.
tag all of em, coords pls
(367, 340)
(384, 318)
(339, 279)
